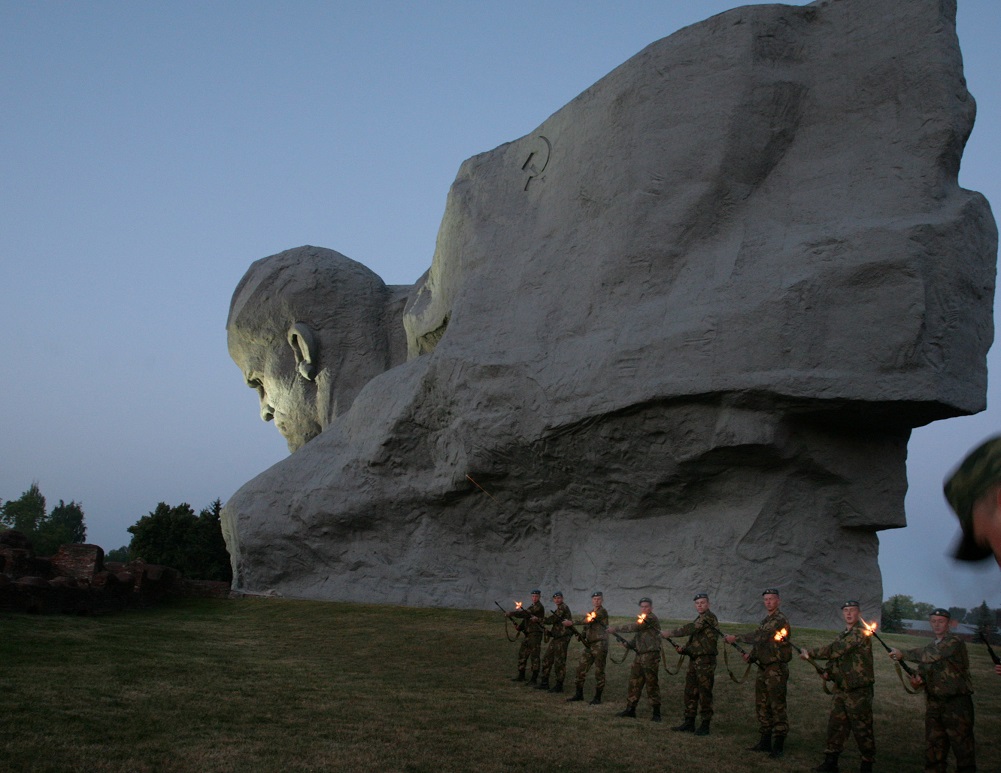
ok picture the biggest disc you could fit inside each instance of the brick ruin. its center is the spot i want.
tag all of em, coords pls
(77, 580)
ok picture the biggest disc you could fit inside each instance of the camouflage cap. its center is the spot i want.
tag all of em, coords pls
(646, 599)
(597, 594)
(940, 613)
(976, 473)
(851, 603)
(770, 591)
(700, 596)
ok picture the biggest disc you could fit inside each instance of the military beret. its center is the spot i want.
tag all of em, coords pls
(772, 591)
(975, 475)
(537, 591)
(851, 603)
(646, 599)
(558, 593)
(700, 596)
(940, 613)
(597, 594)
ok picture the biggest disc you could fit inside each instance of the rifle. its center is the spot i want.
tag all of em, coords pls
(741, 650)
(990, 649)
(629, 644)
(519, 628)
(583, 639)
(903, 664)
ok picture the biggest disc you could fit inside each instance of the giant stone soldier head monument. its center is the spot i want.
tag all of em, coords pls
(680, 332)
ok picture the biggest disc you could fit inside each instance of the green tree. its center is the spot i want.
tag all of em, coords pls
(922, 609)
(892, 617)
(26, 512)
(985, 619)
(118, 554)
(904, 606)
(176, 537)
(63, 526)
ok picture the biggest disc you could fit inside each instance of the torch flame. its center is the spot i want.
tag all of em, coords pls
(590, 617)
(781, 634)
(641, 618)
(870, 628)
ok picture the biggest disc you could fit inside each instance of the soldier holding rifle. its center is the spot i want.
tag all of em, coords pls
(849, 667)
(701, 675)
(944, 669)
(646, 664)
(595, 650)
(559, 640)
(772, 653)
(531, 646)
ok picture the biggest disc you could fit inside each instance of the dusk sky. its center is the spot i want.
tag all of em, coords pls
(151, 151)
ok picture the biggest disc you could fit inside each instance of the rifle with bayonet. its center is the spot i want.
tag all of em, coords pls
(990, 650)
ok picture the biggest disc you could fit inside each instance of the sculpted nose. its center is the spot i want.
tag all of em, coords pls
(267, 411)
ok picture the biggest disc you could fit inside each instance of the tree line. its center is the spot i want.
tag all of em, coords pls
(172, 536)
(898, 608)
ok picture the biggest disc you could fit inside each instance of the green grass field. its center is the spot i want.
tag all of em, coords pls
(279, 685)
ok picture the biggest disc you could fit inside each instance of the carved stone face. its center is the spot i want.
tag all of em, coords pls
(286, 398)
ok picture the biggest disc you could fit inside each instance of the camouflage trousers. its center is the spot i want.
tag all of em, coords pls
(644, 671)
(556, 658)
(699, 681)
(531, 649)
(770, 698)
(949, 724)
(597, 656)
(851, 712)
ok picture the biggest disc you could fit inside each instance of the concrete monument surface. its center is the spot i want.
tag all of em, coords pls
(672, 340)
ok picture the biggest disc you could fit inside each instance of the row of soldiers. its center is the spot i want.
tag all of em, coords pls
(943, 671)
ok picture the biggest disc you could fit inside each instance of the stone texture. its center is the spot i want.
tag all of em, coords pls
(680, 333)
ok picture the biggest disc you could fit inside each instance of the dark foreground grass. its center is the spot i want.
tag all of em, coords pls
(277, 685)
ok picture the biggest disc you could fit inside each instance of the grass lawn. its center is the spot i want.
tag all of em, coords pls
(280, 685)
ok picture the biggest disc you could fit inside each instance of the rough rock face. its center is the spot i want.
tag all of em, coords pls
(680, 333)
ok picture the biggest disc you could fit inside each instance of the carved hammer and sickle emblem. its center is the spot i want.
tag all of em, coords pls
(538, 158)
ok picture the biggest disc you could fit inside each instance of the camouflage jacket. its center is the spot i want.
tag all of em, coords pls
(849, 658)
(594, 631)
(944, 665)
(647, 634)
(766, 651)
(701, 632)
(534, 610)
(555, 619)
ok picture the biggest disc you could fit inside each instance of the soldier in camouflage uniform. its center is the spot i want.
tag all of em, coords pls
(559, 640)
(646, 664)
(531, 645)
(849, 667)
(974, 493)
(772, 657)
(701, 675)
(596, 651)
(944, 669)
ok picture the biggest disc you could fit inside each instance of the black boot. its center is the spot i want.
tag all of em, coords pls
(763, 745)
(543, 684)
(630, 711)
(688, 726)
(778, 746)
(830, 763)
(578, 694)
(703, 728)
(597, 697)
(520, 677)
(535, 678)
(558, 687)
(865, 767)
(655, 716)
